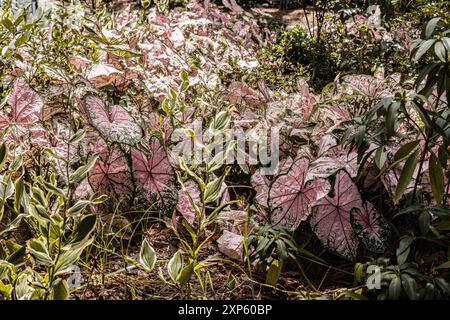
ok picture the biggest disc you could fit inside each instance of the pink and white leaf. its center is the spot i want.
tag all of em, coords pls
(152, 172)
(25, 104)
(370, 227)
(111, 173)
(331, 220)
(115, 124)
(291, 195)
(184, 205)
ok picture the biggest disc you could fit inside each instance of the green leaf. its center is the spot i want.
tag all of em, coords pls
(424, 47)
(395, 288)
(212, 190)
(22, 39)
(8, 24)
(81, 172)
(146, 3)
(359, 269)
(431, 25)
(436, 178)
(60, 289)
(440, 51)
(100, 199)
(16, 164)
(424, 222)
(405, 150)
(22, 290)
(274, 272)
(147, 256)
(78, 207)
(445, 265)
(38, 197)
(410, 286)
(406, 175)
(3, 154)
(175, 266)
(221, 121)
(19, 187)
(54, 189)
(185, 274)
(17, 258)
(444, 226)
(69, 258)
(380, 157)
(79, 135)
(403, 250)
(82, 232)
(39, 250)
(6, 187)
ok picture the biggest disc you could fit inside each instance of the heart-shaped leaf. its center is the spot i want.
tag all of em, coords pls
(331, 216)
(113, 123)
(25, 104)
(291, 195)
(370, 227)
(153, 174)
(111, 173)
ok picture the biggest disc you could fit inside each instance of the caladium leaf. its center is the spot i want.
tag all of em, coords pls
(25, 104)
(153, 174)
(113, 123)
(232, 5)
(101, 75)
(184, 205)
(367, 85)
(370, 227)
(330, 217)
(291, 195)
(261, 185)
(240, 92)
(111, 173)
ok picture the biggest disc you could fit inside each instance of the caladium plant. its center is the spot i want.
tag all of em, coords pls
(153, 174)
(112, 173)
(190, 194)
(25, 108)
(114, 123)
(291, 195)
(332, 218)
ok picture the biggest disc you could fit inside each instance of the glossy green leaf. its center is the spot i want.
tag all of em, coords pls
(175, 266)
(431, 26)
(395, 288)
(273, 273)
(406, 175)
(436, 178)
(147, 256)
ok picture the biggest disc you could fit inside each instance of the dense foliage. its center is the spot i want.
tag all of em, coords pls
(99, 112)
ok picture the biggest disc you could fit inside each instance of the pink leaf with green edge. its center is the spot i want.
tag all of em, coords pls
(184, 205)
(111, 173)
(330, 217)
(153, 173)
(25, 104)
(291, 195)
(370, 227)
(114, 123)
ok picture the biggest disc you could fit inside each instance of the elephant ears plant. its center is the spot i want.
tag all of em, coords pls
(35, 268)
